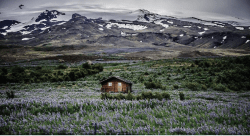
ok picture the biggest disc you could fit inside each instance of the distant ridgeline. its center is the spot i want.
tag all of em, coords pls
(44, 74)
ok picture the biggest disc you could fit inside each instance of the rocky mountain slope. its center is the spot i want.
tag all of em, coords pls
(148, 29)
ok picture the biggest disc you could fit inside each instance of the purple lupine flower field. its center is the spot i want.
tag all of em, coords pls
(74, 107)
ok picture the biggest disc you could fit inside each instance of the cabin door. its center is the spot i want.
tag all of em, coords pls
(119, 86)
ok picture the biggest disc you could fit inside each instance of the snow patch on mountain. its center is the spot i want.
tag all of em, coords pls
(240, 28)
(43, 22)
(224, 38)
(159, 22)
(25, 32)
(25, 39)
(201, 33)
(170, 22)
(128, 26)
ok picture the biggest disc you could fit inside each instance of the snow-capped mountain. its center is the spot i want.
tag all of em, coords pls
(36, 25)
(137, 27)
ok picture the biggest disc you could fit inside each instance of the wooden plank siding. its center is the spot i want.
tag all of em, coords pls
(114, 87)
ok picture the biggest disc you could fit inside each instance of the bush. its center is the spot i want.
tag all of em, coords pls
(130, 96)
(121, 96)
(86, 65)
(192, 85)
(158, 96)
(38, 68)
(17, 69)
(116, 97)
(220, 87)
(72, 76)
(206, 64)
(139, 97)
(99, 67)
(3, 79)
(4, 71)
(182, 97)
(104, 96)
(175, 86)
(61, 67)
(78, 74)
(59, 73)
(66, 78)
(166, 95)
(10, 95)
(147, 95)
(203, 87)
(150, 85)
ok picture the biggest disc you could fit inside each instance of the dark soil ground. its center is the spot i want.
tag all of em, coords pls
(196, 54)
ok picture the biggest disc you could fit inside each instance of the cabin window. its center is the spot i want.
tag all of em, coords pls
(119, 84)
(110, 84)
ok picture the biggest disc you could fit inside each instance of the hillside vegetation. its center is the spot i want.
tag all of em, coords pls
(19, 74)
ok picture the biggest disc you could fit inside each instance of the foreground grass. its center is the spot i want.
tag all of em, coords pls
(77, 116)
(211, 105)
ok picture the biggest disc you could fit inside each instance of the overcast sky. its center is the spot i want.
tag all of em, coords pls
(235, 8)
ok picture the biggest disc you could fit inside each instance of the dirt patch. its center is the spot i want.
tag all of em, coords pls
(112, 51)
(240, 51)
(196, 54)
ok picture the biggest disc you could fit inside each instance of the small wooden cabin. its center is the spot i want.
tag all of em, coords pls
(116, 84)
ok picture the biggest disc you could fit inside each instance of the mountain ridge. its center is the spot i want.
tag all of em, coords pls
(147, 29)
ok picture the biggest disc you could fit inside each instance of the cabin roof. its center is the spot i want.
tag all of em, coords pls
(117, 77)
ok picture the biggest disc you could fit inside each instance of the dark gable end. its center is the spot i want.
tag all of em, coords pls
(124, 80)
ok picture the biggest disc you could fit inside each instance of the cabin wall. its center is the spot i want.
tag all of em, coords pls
(114, 86)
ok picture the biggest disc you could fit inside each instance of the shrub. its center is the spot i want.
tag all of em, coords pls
(121, 96)
(147, 95)
(3, 79)
(116, 97)
(146, 73)
(53, 79)
(130, 96)
(38, 68)
(158, 96)
(109, 96)
(61, 67)
(72, 76)
(175, 86)
(60, 79)
(197, 62)
(10, 95)
(99, 67)
(66, 78)
(166, 95)
(220, 87)
(139, 97)
(182, 97)
(104, 95)
(192, 85)
(150, 85)
(78, 74)
(4, 71)
(203, 87)
(206, 64)
(17, 69)
(86, 65)
(59, 73)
